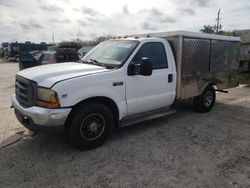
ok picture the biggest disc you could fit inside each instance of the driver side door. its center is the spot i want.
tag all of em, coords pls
(146, 93)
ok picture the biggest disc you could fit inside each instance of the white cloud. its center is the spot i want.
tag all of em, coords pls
(38, 20)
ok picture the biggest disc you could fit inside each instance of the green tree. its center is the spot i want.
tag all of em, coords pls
(227, 33)
(207, 29)
(211, 30)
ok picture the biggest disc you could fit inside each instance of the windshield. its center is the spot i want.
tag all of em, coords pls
(112, 52)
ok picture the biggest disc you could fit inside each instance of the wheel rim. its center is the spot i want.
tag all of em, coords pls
(208, 99)
(92, 126)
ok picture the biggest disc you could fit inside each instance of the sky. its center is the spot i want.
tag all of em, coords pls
(38, 21)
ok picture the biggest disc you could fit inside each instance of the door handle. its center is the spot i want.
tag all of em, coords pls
(170, 78)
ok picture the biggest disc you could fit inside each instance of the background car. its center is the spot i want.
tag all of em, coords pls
(36, 58)
(29, 59)
(59, 56)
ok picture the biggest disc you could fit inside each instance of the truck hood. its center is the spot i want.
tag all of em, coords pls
(47, 75)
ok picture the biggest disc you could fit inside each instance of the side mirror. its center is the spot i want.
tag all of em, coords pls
(146, 67)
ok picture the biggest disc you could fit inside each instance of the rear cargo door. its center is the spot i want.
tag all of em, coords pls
(145, 93)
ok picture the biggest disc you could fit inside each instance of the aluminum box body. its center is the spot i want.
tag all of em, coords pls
(202, 59)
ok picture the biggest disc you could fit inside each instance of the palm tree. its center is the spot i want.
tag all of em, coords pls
(207, 29)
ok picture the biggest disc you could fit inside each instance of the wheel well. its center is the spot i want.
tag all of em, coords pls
(103, 100)
(210, 84)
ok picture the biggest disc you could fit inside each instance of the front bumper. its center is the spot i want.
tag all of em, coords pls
(36, 118)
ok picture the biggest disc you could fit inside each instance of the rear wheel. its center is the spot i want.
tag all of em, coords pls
(90, 125)
(205, 102)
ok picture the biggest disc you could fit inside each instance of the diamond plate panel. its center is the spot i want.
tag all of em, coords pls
(195, 64)
(224, 56)
(195, 55)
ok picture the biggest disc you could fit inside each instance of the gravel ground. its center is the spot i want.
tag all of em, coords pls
(186, 149)
(8, 123)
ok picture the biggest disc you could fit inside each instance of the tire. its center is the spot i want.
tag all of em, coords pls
(90, 125)
(205, 102)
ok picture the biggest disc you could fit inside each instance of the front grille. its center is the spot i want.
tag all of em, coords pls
(25, 91)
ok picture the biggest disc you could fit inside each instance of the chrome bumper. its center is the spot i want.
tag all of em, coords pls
(36, 118)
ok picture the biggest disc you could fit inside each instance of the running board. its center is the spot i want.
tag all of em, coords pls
(134, 119)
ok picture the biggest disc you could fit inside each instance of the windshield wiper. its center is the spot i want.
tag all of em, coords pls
(98, 63)
(95, 62)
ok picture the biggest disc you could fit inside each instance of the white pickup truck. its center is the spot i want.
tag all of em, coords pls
(124, 81)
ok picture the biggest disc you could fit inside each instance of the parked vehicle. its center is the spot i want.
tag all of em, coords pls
(84, 50)
(4, 47)
(59, 56)
(14, 48)
(125, 81)
(245, 48)
(29, 59)
(244, 55)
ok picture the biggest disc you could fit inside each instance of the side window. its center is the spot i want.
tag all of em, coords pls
(155, 51)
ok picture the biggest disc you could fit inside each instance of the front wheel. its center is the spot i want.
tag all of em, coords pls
(90, 125)
(205, 102)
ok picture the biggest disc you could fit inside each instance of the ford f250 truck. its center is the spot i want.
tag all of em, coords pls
(124, 81)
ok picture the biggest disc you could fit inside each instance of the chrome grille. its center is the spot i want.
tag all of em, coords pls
(25, 91)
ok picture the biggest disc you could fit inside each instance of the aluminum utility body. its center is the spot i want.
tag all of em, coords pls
(124, 81)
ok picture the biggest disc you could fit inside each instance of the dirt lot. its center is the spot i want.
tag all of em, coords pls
(8, 124)
(186, 149)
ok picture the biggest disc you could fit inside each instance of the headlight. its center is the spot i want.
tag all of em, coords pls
(47, 98)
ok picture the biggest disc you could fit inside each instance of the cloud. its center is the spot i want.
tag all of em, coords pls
(80, 34)
(65, 18)
(59, 21)
(156, 15)
(90, 16)
(155, 12)
(30, 24)
(186, 11)
(149, 26)
(199, 3)
(125, 9)
(66, 1)
(76, 9)
(24, 26)
(35, 24)
(83, 23)
(51, 8)
(89, 11)
(202, 3)
(7, 3)
(155, 19)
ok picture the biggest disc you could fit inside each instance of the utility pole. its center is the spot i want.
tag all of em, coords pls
(218, 25)
(78, 35)
(53, 38)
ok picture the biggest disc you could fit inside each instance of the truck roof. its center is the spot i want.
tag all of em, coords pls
(188, 34)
